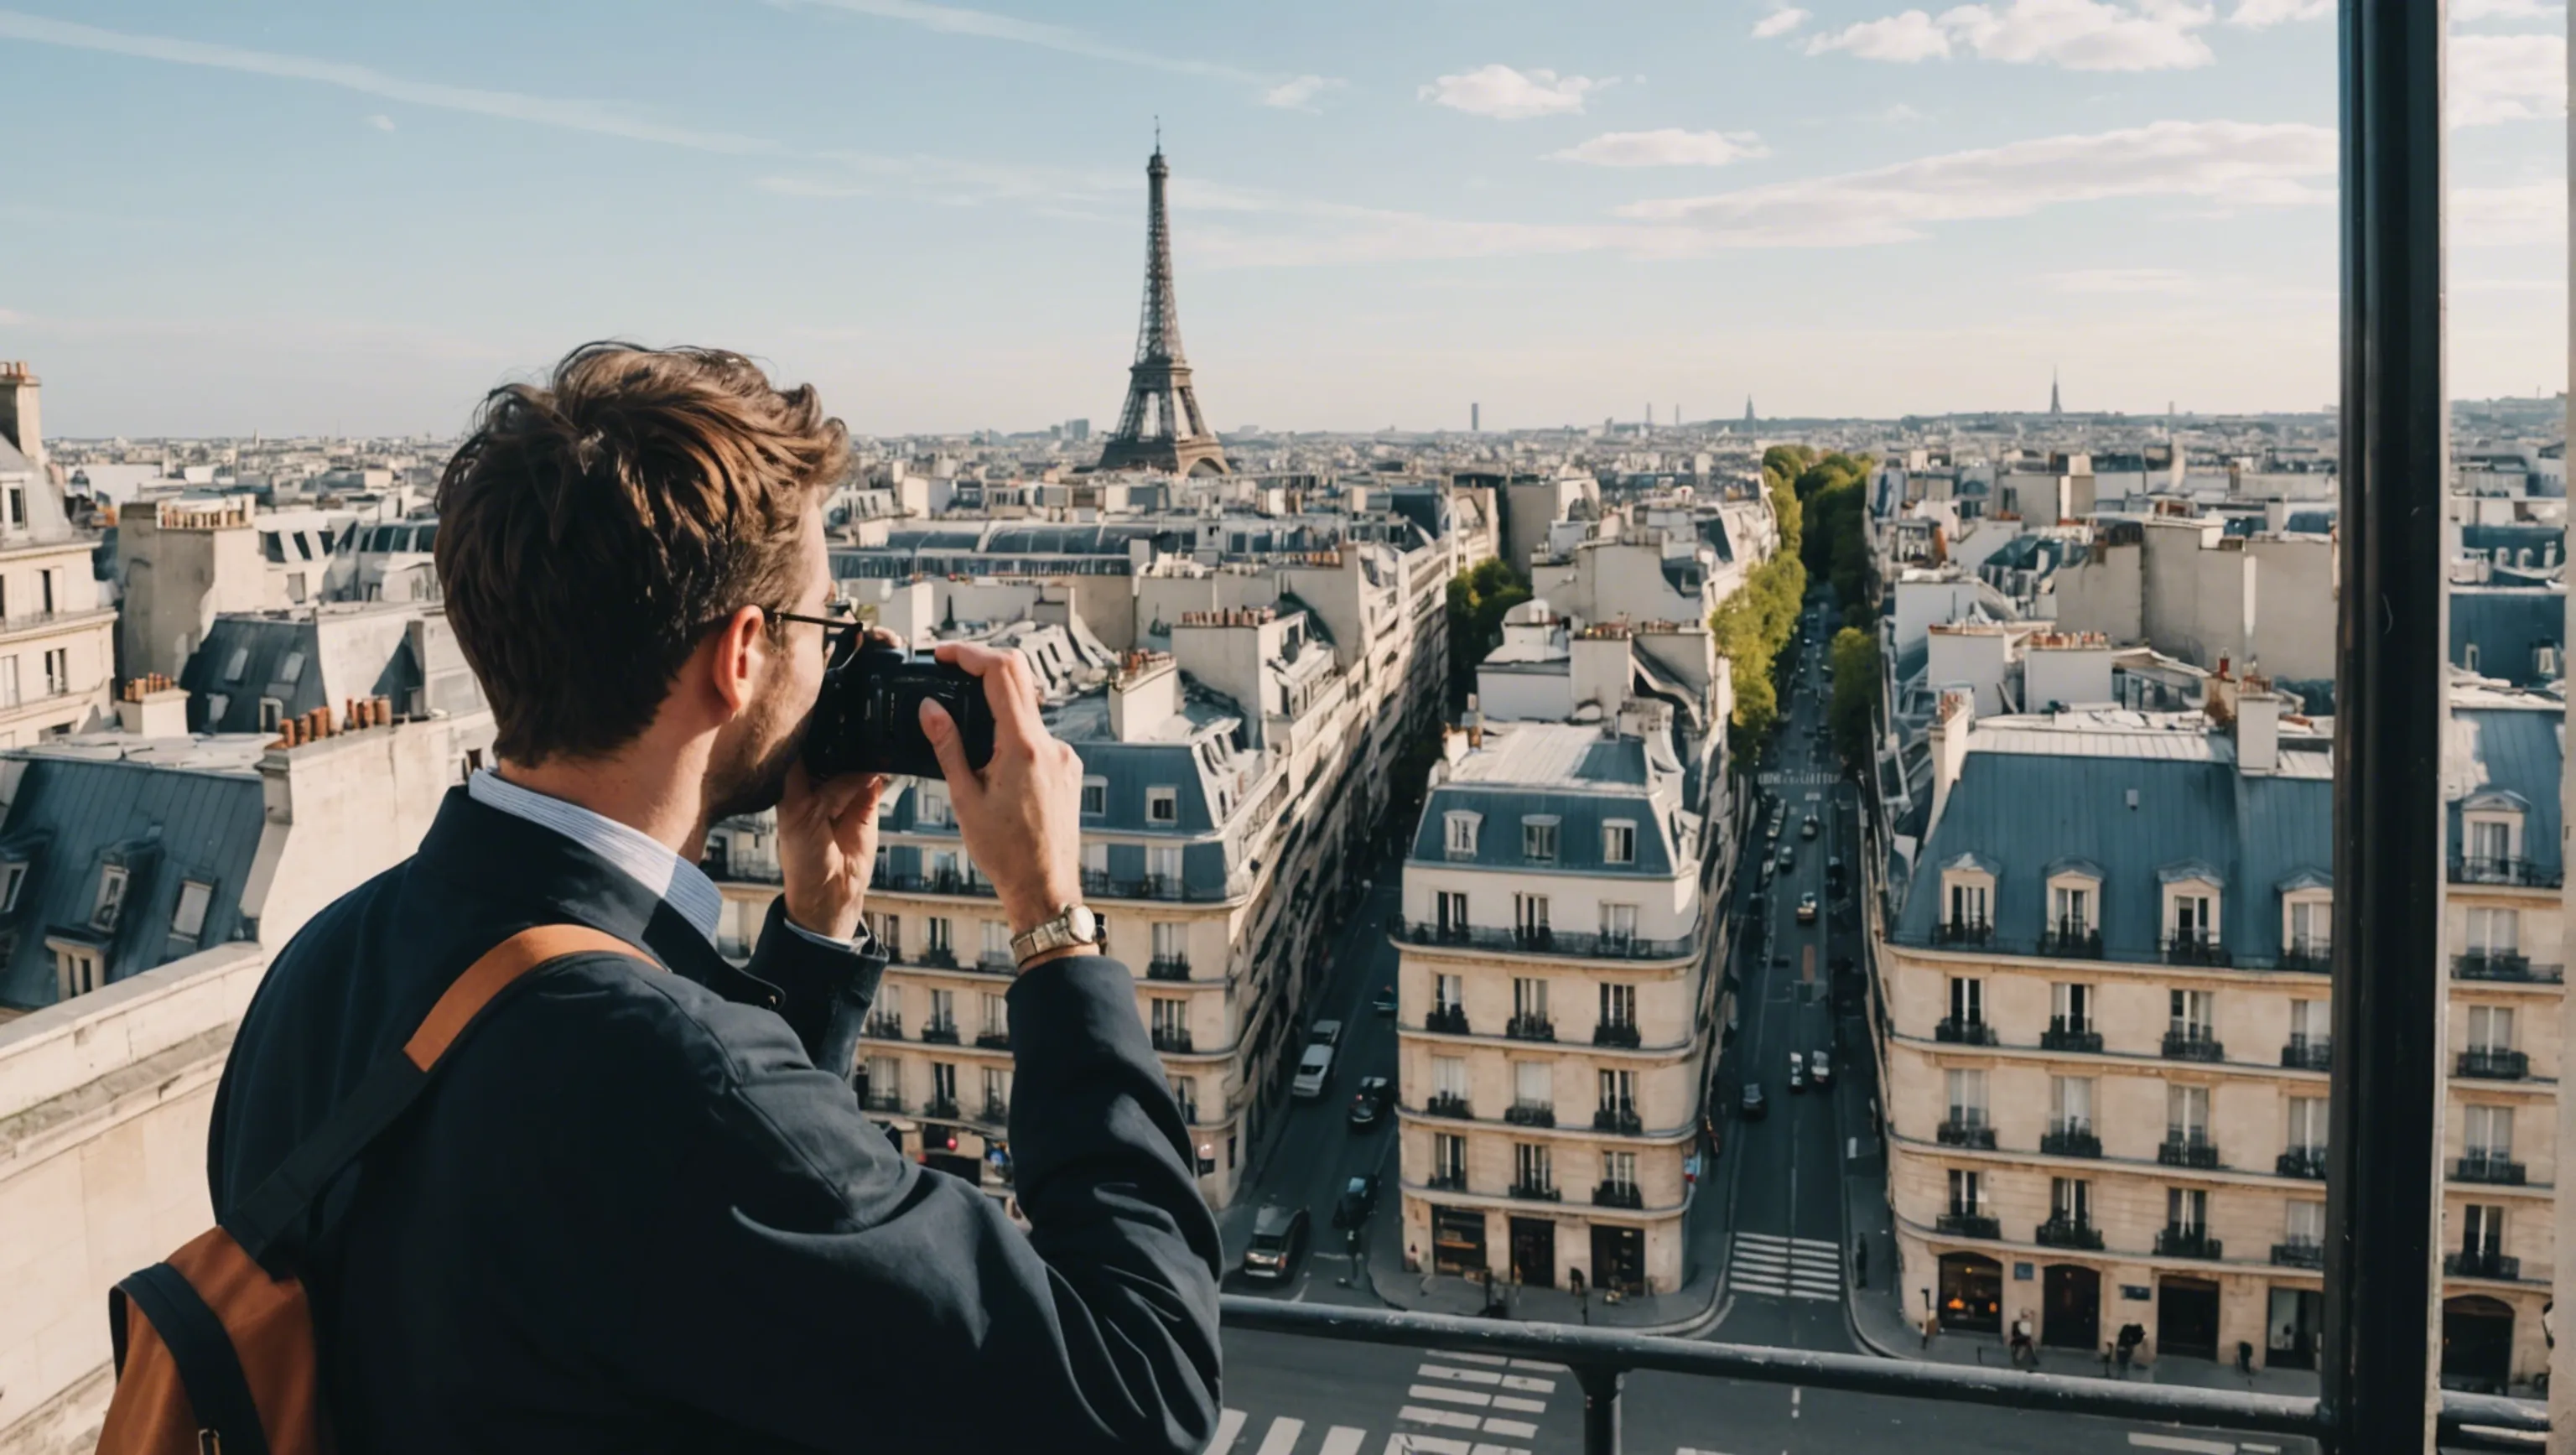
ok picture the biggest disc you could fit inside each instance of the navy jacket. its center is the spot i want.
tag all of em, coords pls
(631, 1214)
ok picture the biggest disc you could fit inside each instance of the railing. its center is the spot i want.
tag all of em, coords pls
(2313, 956)
(997, 1110)
(1956, 1133)
(2309, 1162)
(1962, 932)
(1621, 1119)
(2071, 941)
(998, 962)
(993, 1040)
(2493, 1063)
(940, 1109)
(1965, 1033)
(2194, 948)
(941, 1031)
(2489, 1167)
(1530, 1114)
(2064, 1232)
(941, 957)
(1968, 1225)
(882, 1101)
(2483, 1263)
(1447, 1020)
(1447, 1104)
(2187, 1151)
(1530, 1028)
(2193, 1045)
(1098, 884)
(2308, 1053)
(2061, 1036)
(1537, 1191)
(2299, 1253)
(1168, 967)
(1616, 1033)
(1447, 1182)
(1172, 1038)
(884, 1027)
(1570, 944)
(1618, 1194)
(952, 881)
(2174, 1242)
(2504, 965)
(2074, 1139)
(2486, 869)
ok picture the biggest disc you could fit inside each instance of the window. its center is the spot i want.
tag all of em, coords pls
(2307, 1124)
(886, 930)
(58, 672)
(2494, 932)
(1619, 1169)
(291, 668)
(1618, 924)
(1452, 907)
(1538, 840)
(1968, 900)
(2311, 927)
(1449, 1076)
(2189, 915)
(1619, 1092)
(997, 1092)
(943, 1084)
(188, 921)
(2481, 1227)
(1619, 1006)
(2070, 1103)
(1529, 916)
(932, 811)
(2490, 1028)
(216, 702)
(303, 544)
(1185, 1090)
(2490, 1132)
(295, 592)
(1462, 834)
(2490, 839)
(1095, 797)
(943, 1011)
(937, 938)
(2544, 660)
(271, 713)
(1162, 805)
(1967, 1088)
(9, 682)
(885, 1082)
(943, 869)
(2186, 1113)
(2187, 1210)
(2310, 1023)
(1533, 1085)
(2070, 909)
(1529, 997)
(1163, 865)
(1965, 1185)
(2193, 1013)
(1530, 1161)
(2071, 1007)
(1171, 1016)
(1448, 1160)
(997, 942)
(17, 507)
(1171, 941)
(1618, 842)
(1446, 994)
(13, 877)
(75, 971)
(1967, 1001)
(2071, 1198)
(889, 1004)
(2303, 1224)
(237, 665)
(111, 898)
(1095, 858)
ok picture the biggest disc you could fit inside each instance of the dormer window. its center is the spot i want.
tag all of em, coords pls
(1462, 834)
(1095, 797)
(291, 668)
(188, 921)
(2074, 924)
(13, 877)
(2544, 660)
(1538, 839)
(239, 663)
(933, 809)
(111, 898)
(2191, 906)
(1967, 901)
(2307, 920)
(1619, 842)
(1163, 806)
(2491, 838)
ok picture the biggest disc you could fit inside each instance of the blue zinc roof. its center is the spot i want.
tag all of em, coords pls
(2514, 751)
(2508, 626)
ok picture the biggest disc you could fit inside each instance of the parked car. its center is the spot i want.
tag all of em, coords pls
(1384, 1002)
(1797, 1072)
(1278, 1240)
(1359, 1199)
(1314, 1071)
(1325, 1033)
(1834, 873)
(1807, 908)
(1754, 1107)
(1368, 1104)
(1819, 1069)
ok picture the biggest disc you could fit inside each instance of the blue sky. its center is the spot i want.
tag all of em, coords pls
(290, 217)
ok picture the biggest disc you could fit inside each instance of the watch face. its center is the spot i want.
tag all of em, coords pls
(1084, 925)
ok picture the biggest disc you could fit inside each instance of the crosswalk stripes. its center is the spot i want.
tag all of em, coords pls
(1797, 778)
(1766, 1263)
(1458, 1403)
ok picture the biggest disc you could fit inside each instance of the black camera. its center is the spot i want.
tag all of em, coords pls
(868, 718)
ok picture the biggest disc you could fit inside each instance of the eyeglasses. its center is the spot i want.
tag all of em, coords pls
(842, 630)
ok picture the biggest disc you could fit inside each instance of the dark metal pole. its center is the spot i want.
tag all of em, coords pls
(1600, 1407)
(2383, 1181)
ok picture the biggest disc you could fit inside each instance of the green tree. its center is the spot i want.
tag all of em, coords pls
(1853, 713)
(1478, 597)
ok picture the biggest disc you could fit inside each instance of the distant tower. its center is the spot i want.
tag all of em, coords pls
(1161, 429)
(2052, 393)
(1475, 419)
(1749, 415)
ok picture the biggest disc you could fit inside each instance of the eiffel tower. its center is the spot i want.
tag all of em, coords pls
(1161, 429)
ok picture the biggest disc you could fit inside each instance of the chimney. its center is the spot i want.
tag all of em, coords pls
(1474, 723)
(1951, 719)
(19, 419)
(1143, 696)
(1601, 667)
(2258, 732)
(152, 706)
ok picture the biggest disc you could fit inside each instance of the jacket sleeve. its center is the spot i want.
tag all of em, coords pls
(824, 991)
(765, 1259)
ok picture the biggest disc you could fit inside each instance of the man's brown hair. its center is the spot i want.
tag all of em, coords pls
(592, 528)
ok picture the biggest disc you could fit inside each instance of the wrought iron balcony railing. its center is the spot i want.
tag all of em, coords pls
(1530, 1114)
(2491, 1167)
(1446, 1104)
(997, 1110)
(1453, 1180)
(2504, 965)
(2193, 948)
(940, 1109)
(883, 1027)
(2062, 1035)
(2299, 1253)
(1168, 967)
(2481, 1263)
(1530, 1028)
(1955, 1133)
(2493, 1063)
(1962, 932)
(2065, 1232)
(993, 1040)
(2193, 1045)
(2486, 869)
(1968, 1225)
(2181, 1242)
(1618, 1194)
(939, 957)
(2070, 1139)
(1621, 1119)
(2071, 940)
(886, 1101)
(1564, 944)
(1965, 1033)
(2187, 1151)
(2314, 956)
(1172, 1038)
(1616, 1033)
(942, 1031)
(2309, 1162)
(2308, 1053)
(1447, 1020)
(1537, 1191)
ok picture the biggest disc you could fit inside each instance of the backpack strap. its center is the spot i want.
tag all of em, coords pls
(263, 1221)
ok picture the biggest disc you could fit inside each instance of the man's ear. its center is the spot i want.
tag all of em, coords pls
(734, 654)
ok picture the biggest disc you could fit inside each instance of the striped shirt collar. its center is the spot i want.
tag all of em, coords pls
(640, 856)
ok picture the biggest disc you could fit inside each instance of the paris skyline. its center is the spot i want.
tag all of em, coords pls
(280, 218)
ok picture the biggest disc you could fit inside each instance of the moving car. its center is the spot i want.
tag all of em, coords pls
(1384, 1002)
(1314, 1070)
(1278, 1241)
(1788, 858)
(1359, 1199)
(1754, 1107)
(1833, 873)
(1368, 1104)
(1807, 908)
(1819, 1069)
(1808, 829)
(1797, 1072)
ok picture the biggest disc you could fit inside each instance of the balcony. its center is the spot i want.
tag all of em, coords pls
(938, 957)
(1619, 1194)
(1621, 1119)
(2308, 1162)
(1616, 1033)
(2066, 1232)
(2489, 1167)
(1537, 1192)
(2194, 1150)
(1165, 887)
(2504, 965)
(997, 962)
(997, 1110)
(2313, 956)
(1530, 1028)
(1530, 1114)
(1453, 1180)
(1965, 1033)
(1447, 1020)
(1168, 967)
(2062, 1035)
(2483, 1263)
(937, 882)
(1560, 944)
(2070, 1139)
(884, 1028)
(2308, 1053)
(885, 1101)
(1968, 1225)
(1447, 1104)
(2493, 1063)
(993, 1040)
(942, 1031)
(2177, 1242)
(2070, 940)
(1962, 932)
(1965, 1134)
(939, 1109)
(2193, 1045)
(2481, 869)
(2299, 1253)
(1172, 1038)
(2193, 948)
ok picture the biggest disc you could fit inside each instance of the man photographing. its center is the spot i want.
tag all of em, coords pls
(639, 1207)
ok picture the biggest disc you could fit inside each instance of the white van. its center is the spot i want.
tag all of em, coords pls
(1313, 1071)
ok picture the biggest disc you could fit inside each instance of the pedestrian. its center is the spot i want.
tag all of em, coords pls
(2245, 1358)
(638, 1194)
(1860, 1261)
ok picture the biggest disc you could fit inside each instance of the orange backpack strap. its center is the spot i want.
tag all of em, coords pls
(264, 1224)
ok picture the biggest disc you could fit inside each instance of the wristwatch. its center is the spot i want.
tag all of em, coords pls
(1074, 924)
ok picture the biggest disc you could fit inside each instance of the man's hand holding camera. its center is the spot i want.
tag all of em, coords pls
(1021, 816)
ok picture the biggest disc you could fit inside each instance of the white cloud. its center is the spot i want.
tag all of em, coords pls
(1779, 22)
(809, 187)
(2080, 35)
(2474, 10)
(602, 117)
(1670, 147)
(2534, 212)
(1297, 93)
(1500, 92)
(2242, 163)
(2122, 280)
(381, 122)
(2507, 78)
(2260, 13)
